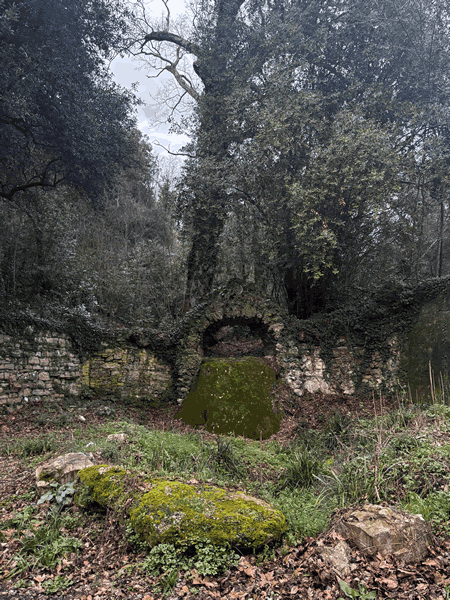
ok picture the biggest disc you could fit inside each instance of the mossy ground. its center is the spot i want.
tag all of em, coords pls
(233, 396)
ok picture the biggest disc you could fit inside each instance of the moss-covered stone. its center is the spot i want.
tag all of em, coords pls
(174, 512)
(105, 485)
(177, 513)
(233, 396)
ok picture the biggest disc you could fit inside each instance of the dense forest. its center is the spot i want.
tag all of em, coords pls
(317, 167)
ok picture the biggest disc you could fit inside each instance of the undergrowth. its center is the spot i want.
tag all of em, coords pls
(401, 457)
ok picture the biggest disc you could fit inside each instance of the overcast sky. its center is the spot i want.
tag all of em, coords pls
(126, 71)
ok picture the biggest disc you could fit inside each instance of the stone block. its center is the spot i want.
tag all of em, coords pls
(378, 529)
(339, 557)
(63, 469)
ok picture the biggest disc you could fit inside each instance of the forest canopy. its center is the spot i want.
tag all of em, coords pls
(62, 119)
(317, 167)
(320, 145)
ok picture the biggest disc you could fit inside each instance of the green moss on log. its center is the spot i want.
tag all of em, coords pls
(172, 512)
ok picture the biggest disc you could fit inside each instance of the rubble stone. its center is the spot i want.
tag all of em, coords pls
(390, 532)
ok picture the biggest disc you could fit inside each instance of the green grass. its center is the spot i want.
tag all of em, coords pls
(347, 462)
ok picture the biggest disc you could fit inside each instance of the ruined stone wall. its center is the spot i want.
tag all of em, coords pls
(311, 356)
(126, 372)
(305, 370)
(394, 338)
(39, 365)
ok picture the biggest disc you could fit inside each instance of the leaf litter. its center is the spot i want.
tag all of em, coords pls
(107, 568)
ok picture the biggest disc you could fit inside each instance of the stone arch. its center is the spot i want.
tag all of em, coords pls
(238, 336)
(237, 306)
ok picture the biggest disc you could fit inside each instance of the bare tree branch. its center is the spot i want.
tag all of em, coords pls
(156, 143)
(173, 38)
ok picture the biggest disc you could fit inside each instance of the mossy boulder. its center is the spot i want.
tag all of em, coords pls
(426, 347)
(233, 396)
(172, 512)
(105, 485)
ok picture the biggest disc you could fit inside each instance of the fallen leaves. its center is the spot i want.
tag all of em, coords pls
(105, 569)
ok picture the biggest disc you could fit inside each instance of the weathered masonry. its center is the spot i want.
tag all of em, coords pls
(395, 338)
(46, 365)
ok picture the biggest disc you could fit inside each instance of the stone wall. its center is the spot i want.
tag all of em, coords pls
(319, 361)
(127, 372)
(346, 373)
(37, 365)
(392, 339)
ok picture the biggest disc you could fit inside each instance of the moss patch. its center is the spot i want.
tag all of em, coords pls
(233, 396)
(102, 484)
(176, 513)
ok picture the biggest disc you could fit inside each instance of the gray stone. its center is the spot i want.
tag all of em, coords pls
(339, 557)
(117, 437)
(390, 532)
(63, 469)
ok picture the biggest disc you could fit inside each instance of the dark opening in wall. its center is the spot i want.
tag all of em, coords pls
(238, 336)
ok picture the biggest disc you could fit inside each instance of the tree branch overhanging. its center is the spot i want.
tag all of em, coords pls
(173, 38)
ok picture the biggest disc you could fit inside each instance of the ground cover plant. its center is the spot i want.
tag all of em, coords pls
(349, 452)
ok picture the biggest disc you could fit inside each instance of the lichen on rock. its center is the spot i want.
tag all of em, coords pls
(163, 511)
(233, 396)
(62, 469)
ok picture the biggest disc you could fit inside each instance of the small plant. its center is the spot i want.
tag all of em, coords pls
(106, 411)
(360, 593)
(46, 546)
(337, 427)
(267, 554)
(434, 508)
(223, 459)
(29, 447)
(169, 581)
(301, 473)
(110, 452)
(213, 560)
(135, 540)
(59, 583)
(162, 558)
(306, 514)
(62, 495)
(205, 558)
